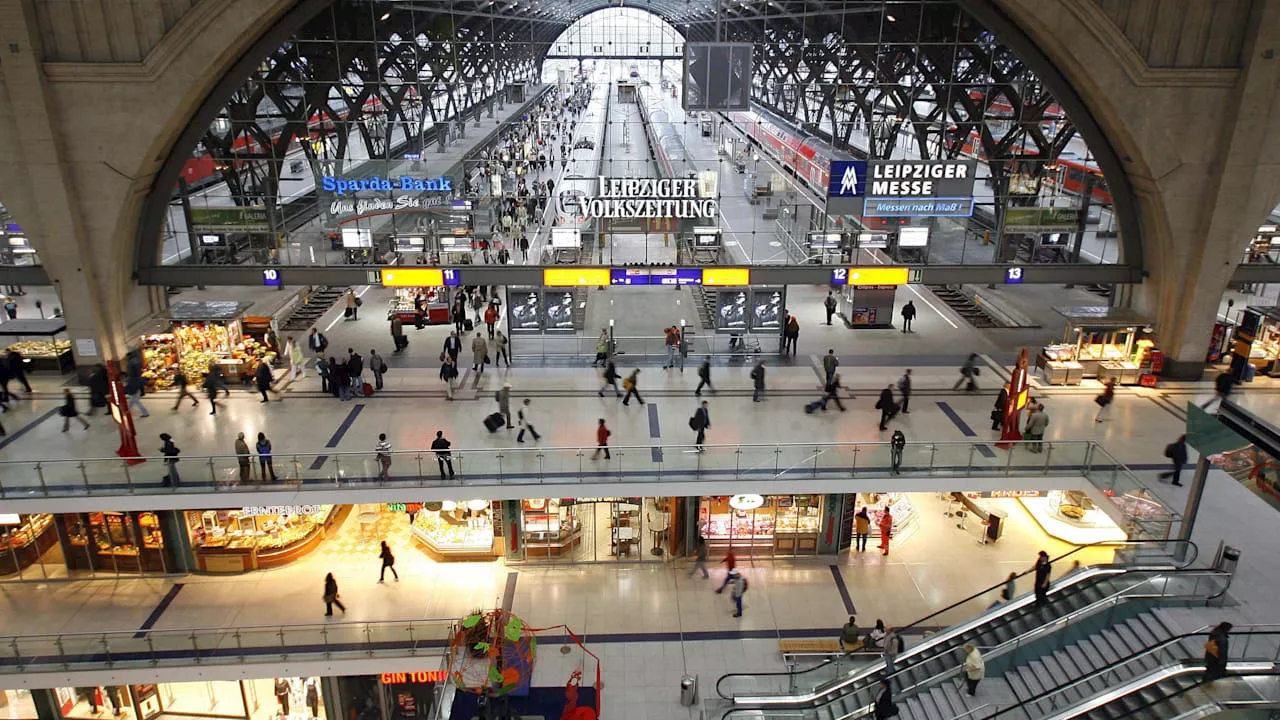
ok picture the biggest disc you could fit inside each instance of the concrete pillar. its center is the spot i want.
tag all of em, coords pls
(1230, 204)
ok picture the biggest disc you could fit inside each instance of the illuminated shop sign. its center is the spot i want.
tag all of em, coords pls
(260, 510)
(406, 183)
(643, 198)
(902, 188)
(413, 678)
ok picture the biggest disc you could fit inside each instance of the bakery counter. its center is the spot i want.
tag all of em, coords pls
(802, 542)
(26, 545)
(442, 549)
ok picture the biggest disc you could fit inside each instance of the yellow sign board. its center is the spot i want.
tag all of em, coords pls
(877, 276)
(726, 277)
(412, 277)
(575, 277)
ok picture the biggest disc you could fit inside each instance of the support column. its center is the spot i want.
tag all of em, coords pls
(1196, 260)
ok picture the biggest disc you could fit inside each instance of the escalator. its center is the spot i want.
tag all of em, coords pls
(820, 693)
(1163, 680)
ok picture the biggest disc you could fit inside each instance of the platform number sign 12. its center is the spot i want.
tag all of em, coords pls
(840, 276)
(1013, 276)
(271, 277)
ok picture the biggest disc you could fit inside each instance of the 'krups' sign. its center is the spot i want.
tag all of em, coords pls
(642, 198)
(341, 186)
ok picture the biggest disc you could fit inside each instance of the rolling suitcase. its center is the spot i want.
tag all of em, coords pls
(495, 421)
(368, 390)
(468, 325)
(812, 406)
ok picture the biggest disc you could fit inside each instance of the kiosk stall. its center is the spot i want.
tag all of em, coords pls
(456, 530)
(432, 303)
(203, 333)
(1101, 342)
(40, 344)
(1256, 342)
(251, 538)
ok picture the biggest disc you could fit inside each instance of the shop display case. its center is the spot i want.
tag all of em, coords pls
(1071, 516)
(904, 513)
(39, 343)
(456, 531)
(25, 540)
(1102, 343)
(432, 303)
(550, 528)
(115, 541)
(202, 334)
(782, 524)
(229, 541)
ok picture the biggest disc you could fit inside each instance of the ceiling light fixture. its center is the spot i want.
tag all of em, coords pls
(385, 16)
(891, 18)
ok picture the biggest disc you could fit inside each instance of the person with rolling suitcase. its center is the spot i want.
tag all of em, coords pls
(503, 396)
(887, 407)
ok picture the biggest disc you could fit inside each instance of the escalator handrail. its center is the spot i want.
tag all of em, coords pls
(1195, 553)
(836, 688)
(1144, 652)
(1243, 669)
(1129, 593)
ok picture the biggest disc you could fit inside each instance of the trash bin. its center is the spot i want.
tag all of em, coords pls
(1229, 559)
(995, 525)
(689, 690)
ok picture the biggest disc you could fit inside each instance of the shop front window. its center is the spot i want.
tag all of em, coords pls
(251, 538)
(116, 542)
(17, 705)
(765, 525)
(596, 529)
(456, 530)
(31, 550)
(292, 698)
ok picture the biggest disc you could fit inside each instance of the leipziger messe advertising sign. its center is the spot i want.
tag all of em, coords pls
(902, 188)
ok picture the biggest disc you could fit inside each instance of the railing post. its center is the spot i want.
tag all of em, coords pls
(62, 652)
(85, 476)
(777, 460)
(284, 655)
(540, 457)
(368, 639)
(128, 476)
(933, 457)
(968, 471)
(40, 474)
(413, 644)
(213, 474)
(1008, 459)
(324, 637)
(853, 469)
(239, 644)
(337, 471)
(816, 454)
(195, 647)
(1048, 455)
(419, 459)
(151, 651)
(737, 463)
(1088, 458)
(17, 654)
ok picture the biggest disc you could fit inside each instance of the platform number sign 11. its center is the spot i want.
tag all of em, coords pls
(271, 277)
(1013, 276)
(451, 277)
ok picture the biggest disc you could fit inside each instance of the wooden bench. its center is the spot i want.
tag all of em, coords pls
(816, 646)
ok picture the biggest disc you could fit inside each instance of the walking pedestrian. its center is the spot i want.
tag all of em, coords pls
(398, 341)
(210, 384)
(524, 247)
(792, 335)
(459, 316)
(861, 528)
(170, 451)
(378, 367)
(700, 421)
(883, 704)
(602, 348)
(908, 314)
(1037, 421)
(266, 465)
(1222, 387)
(1043, 569)
(887, 407)
(897, 446)
(317, 342)
(998, 408)
(479, 354)
(700, 559)
(134, 386)
(99, 386)
(757, 381)
(17, 368)
(297, 360)
(830, 305)
(1009, 591)
(388, 563)
(830, 393)
(730, 562)
(242, 458)
(704, 376)
(974, 668)
(893, 645)
(453, 346)
(829, 364)
(737, 588)
(1176, 451)
(448, 371)
(490, 318)
(331, 596)
(500, 341)
(672, 342)
(323, 370)
(69, 410)
(262, 375)
(904, 389)
(525, 418)
(503, 396)
(1217, 651)
(968, 372)
(353, 305)
(602, 440)
(181, 382)
(886, 530)
(632, 385)
(610, 376)
(444, 458)
(1104, 401)
(382, 453)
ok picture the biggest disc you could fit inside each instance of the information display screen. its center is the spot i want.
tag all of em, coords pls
(913, 237)
(655, 276)
(357, 238)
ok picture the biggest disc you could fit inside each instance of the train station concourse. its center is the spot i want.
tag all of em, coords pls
(733, 359)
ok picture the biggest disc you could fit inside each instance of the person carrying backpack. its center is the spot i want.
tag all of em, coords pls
(737, 588)
(757, 381)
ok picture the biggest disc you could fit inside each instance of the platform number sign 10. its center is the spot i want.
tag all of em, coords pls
(1013, 276)
(271, 277)
(840, 276)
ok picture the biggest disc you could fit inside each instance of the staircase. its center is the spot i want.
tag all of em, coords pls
(313, 305)
(964, 306)
(705, 303)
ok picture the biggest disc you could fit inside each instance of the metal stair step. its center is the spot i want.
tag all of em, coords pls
(1142, 631)
(1019, 685)
(1085, 665)
(1031, 681)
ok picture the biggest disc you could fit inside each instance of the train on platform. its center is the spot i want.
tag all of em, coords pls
(663, 135)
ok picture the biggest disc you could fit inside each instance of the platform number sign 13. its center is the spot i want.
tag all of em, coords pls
(271, 277)
(1013, 276)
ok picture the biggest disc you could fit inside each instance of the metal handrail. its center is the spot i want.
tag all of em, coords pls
(1242, 669)
(1192, 556)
